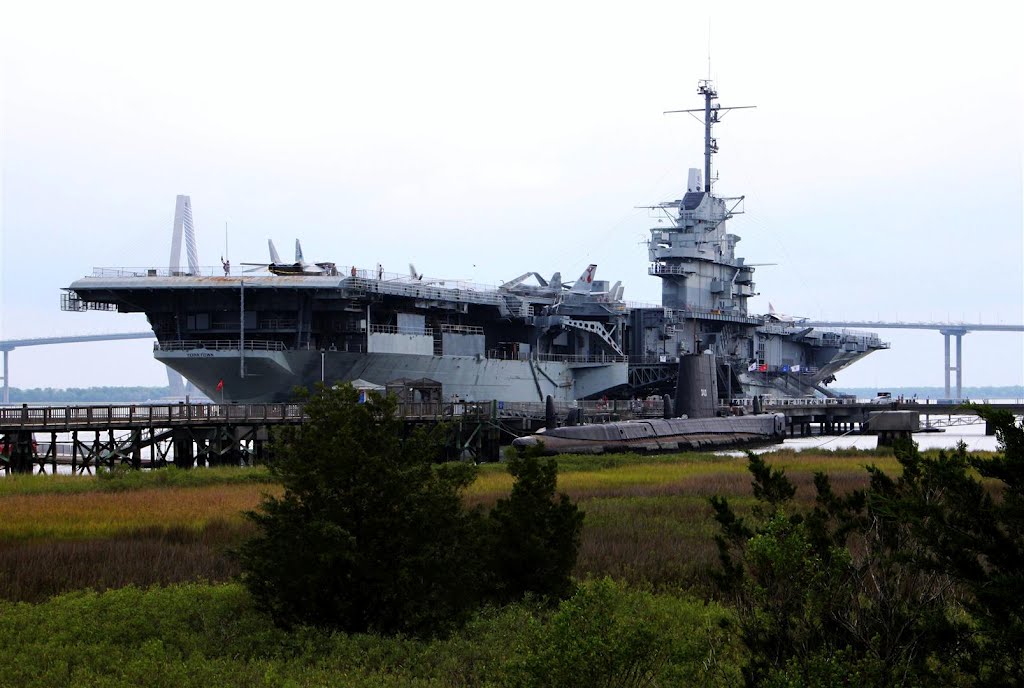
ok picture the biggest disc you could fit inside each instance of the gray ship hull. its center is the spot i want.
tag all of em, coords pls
(271, 376)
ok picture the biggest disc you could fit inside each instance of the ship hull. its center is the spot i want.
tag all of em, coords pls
(272, 376)
(669, 435)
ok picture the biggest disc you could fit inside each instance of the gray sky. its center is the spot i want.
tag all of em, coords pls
(882, 168)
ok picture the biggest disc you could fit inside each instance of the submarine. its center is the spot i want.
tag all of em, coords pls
(696, 427)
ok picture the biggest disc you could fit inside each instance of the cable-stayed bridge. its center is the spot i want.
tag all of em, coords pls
(8, 345)
(183, 231)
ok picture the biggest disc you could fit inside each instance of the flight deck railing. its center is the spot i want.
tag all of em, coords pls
(422, 290)
(505, 355)
(401, 329)
(218, 345)
(201, 271)
(573, 358)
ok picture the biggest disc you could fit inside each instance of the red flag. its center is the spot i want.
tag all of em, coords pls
(762, 368)
(220, 386)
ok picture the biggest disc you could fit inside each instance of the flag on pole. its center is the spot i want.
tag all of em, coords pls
(220, 386)
(752, 367)
(763, 368)
(785, 368)
(795, 369)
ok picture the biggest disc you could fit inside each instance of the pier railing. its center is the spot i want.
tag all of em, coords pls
(60, 418)
(124, 416)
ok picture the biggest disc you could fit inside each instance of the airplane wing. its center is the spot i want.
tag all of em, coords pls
(516, 281)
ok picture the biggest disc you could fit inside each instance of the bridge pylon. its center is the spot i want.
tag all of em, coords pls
(959, 333)
(183, 228)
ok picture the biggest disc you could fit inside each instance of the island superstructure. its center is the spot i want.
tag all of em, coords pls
(257, 337)
(705, 288)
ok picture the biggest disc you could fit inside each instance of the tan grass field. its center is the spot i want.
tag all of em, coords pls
(647, 520)
(107, 514)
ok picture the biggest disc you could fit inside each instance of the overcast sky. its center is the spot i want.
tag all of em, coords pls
(881, 168)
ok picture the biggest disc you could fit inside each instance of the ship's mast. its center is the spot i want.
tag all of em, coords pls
(706, 89)
(713, 112)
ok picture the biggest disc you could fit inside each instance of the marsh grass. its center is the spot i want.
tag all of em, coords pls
(34, 570)
(91, 515)
(124, 479)
(648, 520)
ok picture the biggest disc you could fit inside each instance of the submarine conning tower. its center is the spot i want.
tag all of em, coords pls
(697, 386)
(692, 252)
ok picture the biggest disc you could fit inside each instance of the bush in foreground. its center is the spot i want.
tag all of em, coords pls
(370, 535)
(608, 635)
(367, 536)
(915, 580)
(534, 534)
(201, 635)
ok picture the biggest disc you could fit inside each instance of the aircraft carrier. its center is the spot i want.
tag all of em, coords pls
(255, 337)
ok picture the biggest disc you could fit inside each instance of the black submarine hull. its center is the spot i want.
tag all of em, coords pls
(660, 435)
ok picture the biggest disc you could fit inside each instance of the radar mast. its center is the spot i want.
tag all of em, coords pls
(713, 114)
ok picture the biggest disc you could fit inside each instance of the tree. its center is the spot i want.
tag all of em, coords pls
(534, 535)
(371, 535)
(835, 593)
(918, 579)
(368, 534)
(973, 530)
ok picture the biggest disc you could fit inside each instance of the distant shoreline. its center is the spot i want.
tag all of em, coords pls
(88, 395)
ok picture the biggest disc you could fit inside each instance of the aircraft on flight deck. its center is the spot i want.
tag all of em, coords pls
(554, 287)
(300, 267)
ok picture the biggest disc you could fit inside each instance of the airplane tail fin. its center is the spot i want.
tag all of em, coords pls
(274, 258)
(556, 281)
(298, 252)
(585, 281)
(613, 293)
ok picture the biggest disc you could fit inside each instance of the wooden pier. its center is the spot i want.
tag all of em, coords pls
(138, 435)
(41, 438)
(83, 438)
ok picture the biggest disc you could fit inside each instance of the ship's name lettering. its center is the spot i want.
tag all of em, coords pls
(199, 354)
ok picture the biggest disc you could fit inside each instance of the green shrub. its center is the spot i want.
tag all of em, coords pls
(915, 580)
(534, 535)
(368, 535)
(607, 635)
